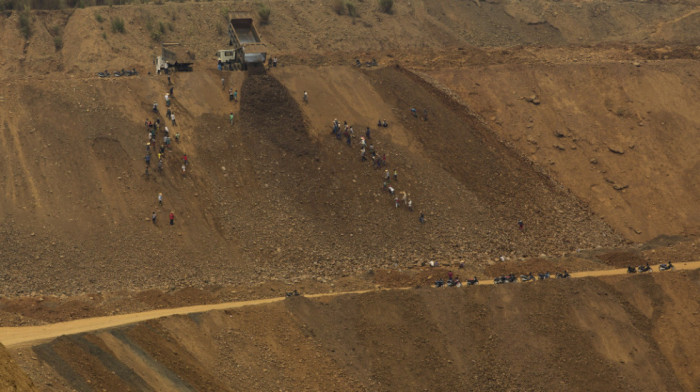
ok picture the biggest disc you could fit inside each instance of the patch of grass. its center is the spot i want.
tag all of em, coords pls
(339, 7)
(386, 5)
(118, 25)
(58, 42)
(264, 13)
(156, 35)
(99, 18)
(224, 12)
(352, 10)
(170, 26)
(219, 29)
(104, 35)
(25, 24)
(161, 27)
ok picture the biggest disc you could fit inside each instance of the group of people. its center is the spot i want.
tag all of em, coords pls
(368, 152)
(154, 130)
(454, 281)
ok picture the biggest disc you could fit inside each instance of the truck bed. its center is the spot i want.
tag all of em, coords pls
(245, 35)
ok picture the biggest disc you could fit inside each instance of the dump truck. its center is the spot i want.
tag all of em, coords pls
(173, 58)
(247, 45)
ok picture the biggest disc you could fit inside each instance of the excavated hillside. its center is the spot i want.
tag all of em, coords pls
(573, 117)
(267, 196)
(614, 333)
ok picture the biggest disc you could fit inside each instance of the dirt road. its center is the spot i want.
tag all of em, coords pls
(16, 337)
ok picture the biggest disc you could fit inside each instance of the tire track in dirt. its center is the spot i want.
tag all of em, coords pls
(18, 337)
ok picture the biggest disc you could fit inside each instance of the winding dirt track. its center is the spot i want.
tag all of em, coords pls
(18, 337)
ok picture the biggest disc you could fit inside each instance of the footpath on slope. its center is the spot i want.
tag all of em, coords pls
(18, 337)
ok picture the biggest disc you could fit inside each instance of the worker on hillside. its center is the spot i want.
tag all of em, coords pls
(172, 218)
(421, 218)
(521, 225)
(414, 112)
(223, 84)
(184, 159)
(230, 94)
(230, 118)
(160, 198)
(172, 118)
(235, 95)
(396, 175)
(367, 134)
(167, 99)
(153, 217)
(306, 97)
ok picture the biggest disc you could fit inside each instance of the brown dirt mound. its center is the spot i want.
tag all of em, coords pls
(12, 378)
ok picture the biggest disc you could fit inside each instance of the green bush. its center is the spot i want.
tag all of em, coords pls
(352, 10)
(58, 42)
(386, 5)
(264, 13)
(25, 24)
(118, 25)
(156, 35)
(339, 7)
(99, 18)
(161, 27)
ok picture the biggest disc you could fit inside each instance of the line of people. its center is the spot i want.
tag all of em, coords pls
(346, 132)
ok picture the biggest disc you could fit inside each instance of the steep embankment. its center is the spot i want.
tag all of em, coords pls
(622, 136)
(12, 378)
(274, 195)
(628, 332)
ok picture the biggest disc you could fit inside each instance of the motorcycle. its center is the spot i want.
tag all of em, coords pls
(104, 74)
(527, 278)
(472, 282)
(563, 275)
(439, 283)
(500, 280)
(544, 276)
(631, 270)
(644, 268)
(666, 267)
(294, 293)
(511, 278)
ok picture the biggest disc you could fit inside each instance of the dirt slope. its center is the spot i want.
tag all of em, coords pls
(581, 334)
(12, 378)
(274, 195)
(622, 137)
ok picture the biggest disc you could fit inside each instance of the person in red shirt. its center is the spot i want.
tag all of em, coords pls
(172, 218)
(184, 159)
